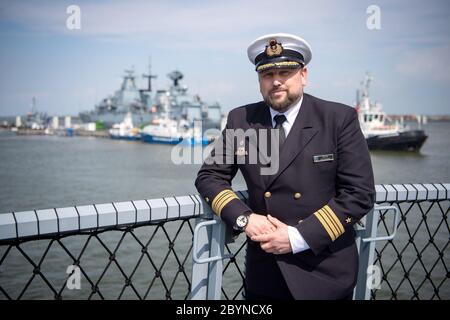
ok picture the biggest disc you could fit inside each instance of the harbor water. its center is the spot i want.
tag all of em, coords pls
(40, 172)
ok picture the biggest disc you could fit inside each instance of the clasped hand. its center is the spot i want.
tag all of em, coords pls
(271, 233)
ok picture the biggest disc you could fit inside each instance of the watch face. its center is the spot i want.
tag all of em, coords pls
(241, 221)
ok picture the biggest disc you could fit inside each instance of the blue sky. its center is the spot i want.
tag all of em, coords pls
(70, 70)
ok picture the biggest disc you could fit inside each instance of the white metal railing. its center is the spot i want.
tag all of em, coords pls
(210, 238)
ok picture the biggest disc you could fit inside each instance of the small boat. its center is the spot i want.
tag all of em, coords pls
(182, 118)
(125, 130)
(380, 131)
(170, 131)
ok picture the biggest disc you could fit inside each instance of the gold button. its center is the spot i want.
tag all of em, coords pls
(267, 194)
(207, 199)
(297, 195)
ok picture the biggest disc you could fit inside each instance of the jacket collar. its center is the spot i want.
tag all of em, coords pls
(302, 132)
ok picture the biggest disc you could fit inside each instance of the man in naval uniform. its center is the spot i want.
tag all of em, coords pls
(298, 219)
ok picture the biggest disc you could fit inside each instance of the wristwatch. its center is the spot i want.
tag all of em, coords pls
(242, 221)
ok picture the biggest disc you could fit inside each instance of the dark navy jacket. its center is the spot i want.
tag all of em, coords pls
(323, 186)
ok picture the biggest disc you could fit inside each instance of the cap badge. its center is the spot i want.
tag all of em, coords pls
(274, 48)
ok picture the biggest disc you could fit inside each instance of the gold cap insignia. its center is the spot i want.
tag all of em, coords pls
(274, 48)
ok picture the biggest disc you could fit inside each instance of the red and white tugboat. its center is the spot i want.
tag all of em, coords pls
(382, 133)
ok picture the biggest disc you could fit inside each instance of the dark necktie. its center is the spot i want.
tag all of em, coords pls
(279, 119)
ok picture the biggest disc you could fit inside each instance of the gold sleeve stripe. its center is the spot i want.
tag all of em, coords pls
(225, 202)
(325, 225)
(218, 197)
(335, 218)
(222, 199)
(330, 223)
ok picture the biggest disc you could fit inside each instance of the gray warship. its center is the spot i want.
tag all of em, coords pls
(145, 107)
(113, 109)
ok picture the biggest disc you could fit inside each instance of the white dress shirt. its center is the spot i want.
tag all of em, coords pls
(298, 243)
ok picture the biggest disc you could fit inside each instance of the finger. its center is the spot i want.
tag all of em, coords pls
(275, 221)
(262, 231)
(261, 237)
(267, 228)
(257, 230)
(267, 247)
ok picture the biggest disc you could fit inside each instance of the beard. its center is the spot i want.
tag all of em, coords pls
(281, 104)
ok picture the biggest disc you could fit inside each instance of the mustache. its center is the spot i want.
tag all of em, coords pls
(276, 90)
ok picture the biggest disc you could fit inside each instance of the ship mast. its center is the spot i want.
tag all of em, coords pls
(364, 101)
(368, 79)
(149, 76)
(33, 105)
(128, 79)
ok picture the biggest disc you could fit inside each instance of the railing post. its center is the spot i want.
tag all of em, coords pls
(216, 267)
(366, 255)
(199, 286)
(209, 244)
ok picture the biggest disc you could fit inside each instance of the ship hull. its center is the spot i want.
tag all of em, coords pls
(403, 141)
(128, 138)
(148, 138)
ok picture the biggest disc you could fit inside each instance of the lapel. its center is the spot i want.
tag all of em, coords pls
(261, 119)
(301, 133)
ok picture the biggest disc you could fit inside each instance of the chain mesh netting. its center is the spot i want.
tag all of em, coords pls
(155, 261)
(414, 265)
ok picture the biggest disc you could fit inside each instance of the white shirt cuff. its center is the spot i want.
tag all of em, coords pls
(298, 243)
